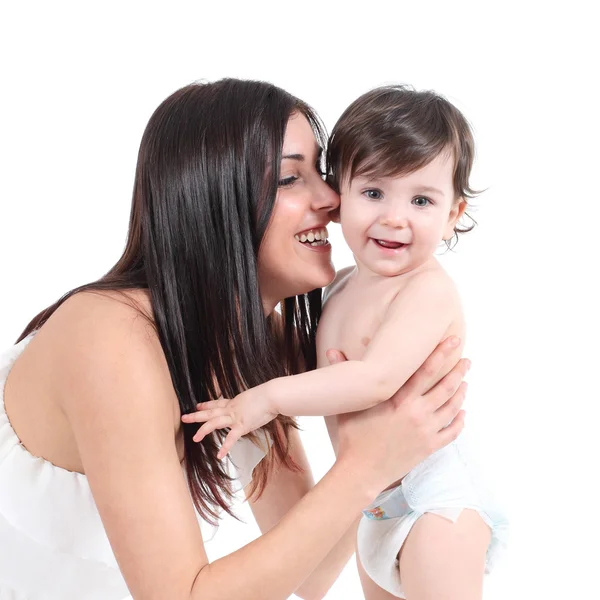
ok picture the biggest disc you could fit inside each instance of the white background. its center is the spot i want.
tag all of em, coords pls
(79, 82)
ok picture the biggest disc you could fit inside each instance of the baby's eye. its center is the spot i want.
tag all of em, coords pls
(373, 194)
(421, 201)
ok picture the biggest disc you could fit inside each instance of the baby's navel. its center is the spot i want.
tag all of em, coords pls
(366, 341)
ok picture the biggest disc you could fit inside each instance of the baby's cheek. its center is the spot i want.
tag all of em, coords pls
(353, 235)
(353, 220)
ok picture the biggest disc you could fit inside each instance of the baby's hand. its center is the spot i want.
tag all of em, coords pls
(241, 415)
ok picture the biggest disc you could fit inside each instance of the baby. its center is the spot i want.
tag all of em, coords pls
(401, 161)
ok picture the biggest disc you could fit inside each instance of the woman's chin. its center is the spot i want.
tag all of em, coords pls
(319, 280)
(330, 277)
(326, 276)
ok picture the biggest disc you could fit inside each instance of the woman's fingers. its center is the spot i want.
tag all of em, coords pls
(335, 356)
(448, 385)
(428, 373)
(218, 423)
(450, 433)
(448, 411)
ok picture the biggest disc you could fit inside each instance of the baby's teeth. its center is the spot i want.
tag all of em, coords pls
(302, 238)
(318, 235)
(311, 237)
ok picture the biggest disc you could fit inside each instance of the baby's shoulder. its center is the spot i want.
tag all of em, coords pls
(431, 280)
(431, 275)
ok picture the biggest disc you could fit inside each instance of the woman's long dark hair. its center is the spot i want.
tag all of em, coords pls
(205, 187)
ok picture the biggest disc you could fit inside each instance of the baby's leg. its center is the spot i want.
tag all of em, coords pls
(371, 590)
(441, 560)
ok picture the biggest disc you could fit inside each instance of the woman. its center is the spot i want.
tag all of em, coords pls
(228, 174)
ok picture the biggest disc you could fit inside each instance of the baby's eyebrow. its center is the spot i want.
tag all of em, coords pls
(366, 180)
(428, 188)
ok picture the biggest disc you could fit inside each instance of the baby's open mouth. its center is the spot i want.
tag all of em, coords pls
(388, 244)
(313, 237)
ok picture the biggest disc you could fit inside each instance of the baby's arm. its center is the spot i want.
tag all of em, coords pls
(415, 322)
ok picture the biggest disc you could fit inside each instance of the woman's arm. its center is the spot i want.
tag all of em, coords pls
(283, 491)
(119, 401)
(285, 487)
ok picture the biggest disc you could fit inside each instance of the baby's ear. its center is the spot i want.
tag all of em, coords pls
(456, 212)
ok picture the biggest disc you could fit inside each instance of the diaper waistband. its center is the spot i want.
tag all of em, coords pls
(390, 504)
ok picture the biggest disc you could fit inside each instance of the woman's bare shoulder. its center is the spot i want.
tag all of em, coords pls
(91, 317)
(112, 307)
(100, 341)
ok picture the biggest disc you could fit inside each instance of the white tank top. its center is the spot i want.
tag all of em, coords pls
(52, 542)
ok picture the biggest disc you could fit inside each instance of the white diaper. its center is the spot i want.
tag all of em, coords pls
(443, 484)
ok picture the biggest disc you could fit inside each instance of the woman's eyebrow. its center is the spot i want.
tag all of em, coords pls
(301, 157)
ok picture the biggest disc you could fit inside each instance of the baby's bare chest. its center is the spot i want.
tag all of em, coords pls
(350, 320)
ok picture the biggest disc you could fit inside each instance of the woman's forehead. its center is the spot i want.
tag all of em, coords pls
(299, 138)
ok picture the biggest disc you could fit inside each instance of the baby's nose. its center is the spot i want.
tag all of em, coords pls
(394, 219)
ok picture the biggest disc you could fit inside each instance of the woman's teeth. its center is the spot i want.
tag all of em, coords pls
(315, 237)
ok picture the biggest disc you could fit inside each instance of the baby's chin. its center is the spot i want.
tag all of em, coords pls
(385, 268)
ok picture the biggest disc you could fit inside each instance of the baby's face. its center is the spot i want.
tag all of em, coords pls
(394, 224)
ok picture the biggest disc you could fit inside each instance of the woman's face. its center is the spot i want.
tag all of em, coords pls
(295, 256)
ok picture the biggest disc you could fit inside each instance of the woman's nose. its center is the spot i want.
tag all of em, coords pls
(325, 198)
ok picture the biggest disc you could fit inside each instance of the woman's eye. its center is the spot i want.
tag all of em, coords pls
(421, 201)
(287, 181)
(373, 194)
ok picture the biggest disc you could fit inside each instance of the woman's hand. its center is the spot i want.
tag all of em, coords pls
(383, 443)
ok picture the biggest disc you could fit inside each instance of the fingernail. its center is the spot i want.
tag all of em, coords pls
(454, 342)
(468, 365)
